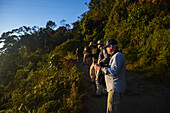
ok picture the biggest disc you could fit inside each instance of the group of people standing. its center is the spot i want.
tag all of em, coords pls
(107, 71)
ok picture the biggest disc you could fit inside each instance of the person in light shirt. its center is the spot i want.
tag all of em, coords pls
(114, 76)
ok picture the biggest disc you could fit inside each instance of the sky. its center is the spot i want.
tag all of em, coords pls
(18, 13)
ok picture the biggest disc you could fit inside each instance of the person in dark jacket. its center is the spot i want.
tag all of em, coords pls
(103, 59)
(78, 55)
(86, 54)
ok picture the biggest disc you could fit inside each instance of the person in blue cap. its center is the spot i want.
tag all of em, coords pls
(114, 76)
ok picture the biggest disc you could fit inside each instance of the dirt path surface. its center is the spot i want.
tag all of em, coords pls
(141, 96)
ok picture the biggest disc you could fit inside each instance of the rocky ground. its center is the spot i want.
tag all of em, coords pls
(141, 96)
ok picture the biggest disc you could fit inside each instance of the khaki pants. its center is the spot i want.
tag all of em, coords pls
(92, 72)
(113, 102)
(85, 60)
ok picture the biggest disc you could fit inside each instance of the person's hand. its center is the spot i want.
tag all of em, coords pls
(104, 65)
(96, 66)
(86, 54)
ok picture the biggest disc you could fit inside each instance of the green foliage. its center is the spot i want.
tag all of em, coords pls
(28, 45)
(93, 22)
(70, 55)
(53, 87)
(68, 46)
(142, 30)
(40, 80)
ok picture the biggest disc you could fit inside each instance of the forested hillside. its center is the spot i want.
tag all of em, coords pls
(141, 28)
(36, 72)
(34, 77)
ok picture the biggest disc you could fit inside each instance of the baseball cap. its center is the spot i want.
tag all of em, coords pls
(111, 42)
(100, 42)
(91, 44)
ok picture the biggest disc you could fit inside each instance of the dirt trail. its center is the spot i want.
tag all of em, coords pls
(141, 96)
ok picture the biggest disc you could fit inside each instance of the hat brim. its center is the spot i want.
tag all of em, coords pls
(106, 46)
(90, 45)
(99, 44)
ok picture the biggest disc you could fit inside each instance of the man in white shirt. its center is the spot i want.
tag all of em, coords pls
(114, 76)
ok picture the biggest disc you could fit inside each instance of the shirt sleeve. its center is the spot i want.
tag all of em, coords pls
(114, 67)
